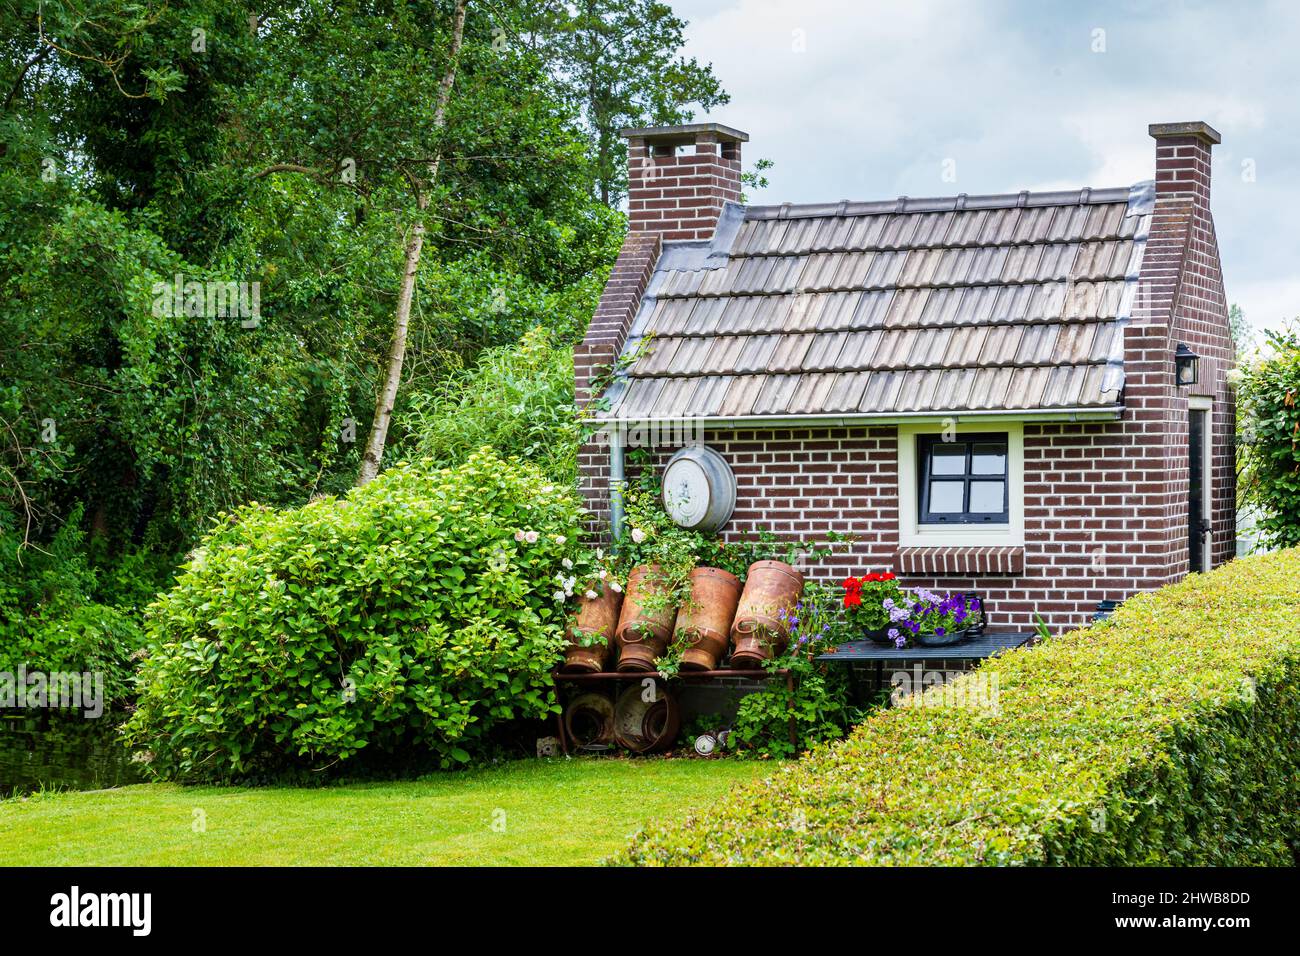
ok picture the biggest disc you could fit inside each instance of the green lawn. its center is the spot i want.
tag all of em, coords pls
(530, 812)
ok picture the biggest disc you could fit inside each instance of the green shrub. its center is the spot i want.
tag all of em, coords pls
(403, 618)
(518, 399)
(89, 638)
(820, 701)
(60, 613)
(1165, 736)
(1269, 392)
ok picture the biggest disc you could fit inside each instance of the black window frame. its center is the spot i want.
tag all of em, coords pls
(964, 517)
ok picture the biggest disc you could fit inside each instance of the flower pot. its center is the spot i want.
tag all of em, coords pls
(948, 639)
(597, 617)
(879, 635)
(772, 589)
(705, 623)
(642, 635)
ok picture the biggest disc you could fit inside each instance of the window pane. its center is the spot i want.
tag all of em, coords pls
(948, 459)
(986, 497)
(945, 496)
(989, 459)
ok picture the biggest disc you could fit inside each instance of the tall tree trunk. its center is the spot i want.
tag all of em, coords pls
(374, 452)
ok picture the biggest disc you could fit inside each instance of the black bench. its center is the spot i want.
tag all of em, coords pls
(857, 653)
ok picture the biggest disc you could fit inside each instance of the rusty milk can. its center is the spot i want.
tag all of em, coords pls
(704, 624)
(589, 722)
(642, 634)
(597, 617)
(646, 722)
(759, 633)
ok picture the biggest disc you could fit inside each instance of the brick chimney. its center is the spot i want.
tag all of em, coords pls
(679, 177)
(1182, 209)
(1183, 160)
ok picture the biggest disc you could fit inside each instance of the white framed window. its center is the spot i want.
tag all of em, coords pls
(963, 486)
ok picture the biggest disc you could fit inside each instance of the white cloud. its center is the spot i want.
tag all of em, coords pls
(1013, 94)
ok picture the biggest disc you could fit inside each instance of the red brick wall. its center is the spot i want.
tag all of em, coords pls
(595, 355)
(608, 329)
(1086, 526)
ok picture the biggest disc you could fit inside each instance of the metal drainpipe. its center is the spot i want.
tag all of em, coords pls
(616, 482)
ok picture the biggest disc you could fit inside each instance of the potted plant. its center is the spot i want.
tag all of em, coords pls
(866, 604)
(931, 620)
(591, 631)
(660, 557)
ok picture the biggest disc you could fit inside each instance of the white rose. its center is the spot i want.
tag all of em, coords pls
(638, 535)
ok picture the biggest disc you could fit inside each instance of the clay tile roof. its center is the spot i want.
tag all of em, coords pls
(1011, 302)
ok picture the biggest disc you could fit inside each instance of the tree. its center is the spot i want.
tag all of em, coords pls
(1243, 334)
(374, 452)
(1268, 393)
(617, 62)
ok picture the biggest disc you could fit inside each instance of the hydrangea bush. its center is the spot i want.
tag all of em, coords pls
(410, 616)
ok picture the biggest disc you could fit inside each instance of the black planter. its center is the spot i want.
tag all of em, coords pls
(879, 636)
(949, 639)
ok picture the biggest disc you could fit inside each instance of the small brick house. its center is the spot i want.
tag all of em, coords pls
(990, 393)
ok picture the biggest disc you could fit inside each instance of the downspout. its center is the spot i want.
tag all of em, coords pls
(616, 481)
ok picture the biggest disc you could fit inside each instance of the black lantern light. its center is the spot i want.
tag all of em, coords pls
(1185, 365)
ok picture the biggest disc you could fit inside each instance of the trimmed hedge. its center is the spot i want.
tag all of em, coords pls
(1168, 735)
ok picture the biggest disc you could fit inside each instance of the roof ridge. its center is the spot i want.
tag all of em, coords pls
(962, 201)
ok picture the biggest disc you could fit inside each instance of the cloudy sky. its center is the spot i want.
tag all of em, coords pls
(861, 99)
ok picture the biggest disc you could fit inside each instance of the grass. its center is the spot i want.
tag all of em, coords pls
(546, 813)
